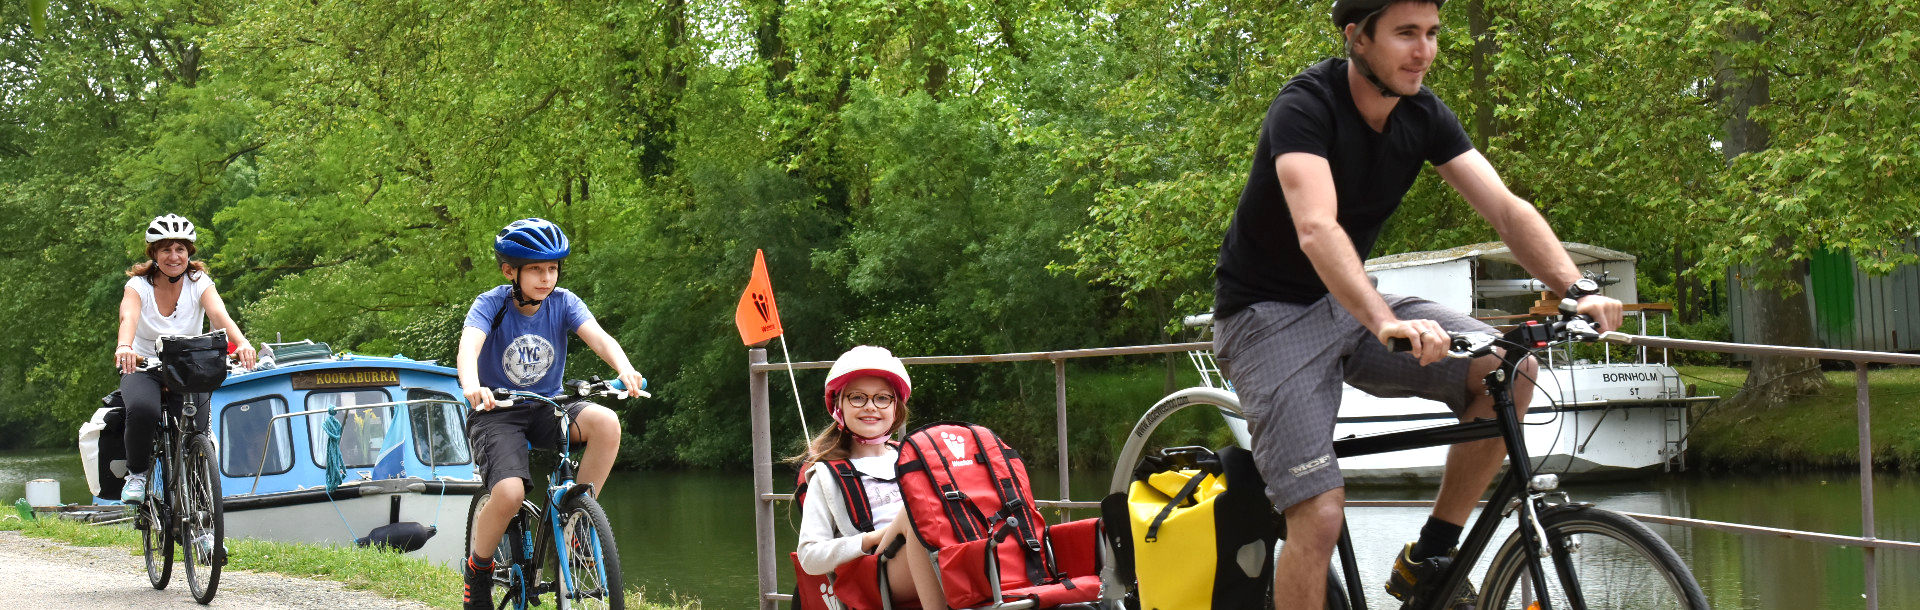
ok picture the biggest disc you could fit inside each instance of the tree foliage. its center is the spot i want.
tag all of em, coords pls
(938, 176)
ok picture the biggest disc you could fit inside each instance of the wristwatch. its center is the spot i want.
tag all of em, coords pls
(1582, 287)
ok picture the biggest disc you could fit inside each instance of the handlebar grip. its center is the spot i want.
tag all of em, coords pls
(622, 386)
(1400, 344)
(894, 548)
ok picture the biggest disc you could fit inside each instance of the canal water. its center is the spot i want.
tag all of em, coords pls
(691, 533)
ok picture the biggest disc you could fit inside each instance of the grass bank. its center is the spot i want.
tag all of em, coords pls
(1810, 432)
(385, 573)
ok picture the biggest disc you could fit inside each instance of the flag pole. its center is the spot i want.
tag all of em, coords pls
(796, 388)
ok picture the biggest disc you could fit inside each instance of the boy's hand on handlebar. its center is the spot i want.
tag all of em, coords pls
(633, 381)
(125, 360)
(1604, 310)
(1429, 341)
(480, 398)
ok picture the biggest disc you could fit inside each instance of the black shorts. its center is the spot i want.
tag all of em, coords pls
(500, 438)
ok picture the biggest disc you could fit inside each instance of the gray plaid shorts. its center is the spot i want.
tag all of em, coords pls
(1286, 362)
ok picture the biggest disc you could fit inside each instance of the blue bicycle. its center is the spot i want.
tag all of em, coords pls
(565, 548)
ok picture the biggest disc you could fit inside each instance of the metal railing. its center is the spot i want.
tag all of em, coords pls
(764, 498)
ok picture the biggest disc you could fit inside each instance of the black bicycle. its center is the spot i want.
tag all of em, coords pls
(581, 570)
(186, 511)
(1561, 554)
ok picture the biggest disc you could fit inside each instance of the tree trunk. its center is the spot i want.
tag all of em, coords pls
(1776, 315)
(1485, 126)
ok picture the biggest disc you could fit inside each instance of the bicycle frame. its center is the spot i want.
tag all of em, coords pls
(561, 486)
(1512, 493)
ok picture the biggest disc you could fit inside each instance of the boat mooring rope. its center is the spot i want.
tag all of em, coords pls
(336, 465)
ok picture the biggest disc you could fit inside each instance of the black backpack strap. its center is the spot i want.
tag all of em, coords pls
(1013, 503)
(1186, 493)
(847, 479)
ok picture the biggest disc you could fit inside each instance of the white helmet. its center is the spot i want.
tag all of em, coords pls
(171, 226)
(863, 361)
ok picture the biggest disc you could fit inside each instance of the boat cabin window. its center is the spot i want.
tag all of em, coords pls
(439, 430)
(362, 431)
(248, 433)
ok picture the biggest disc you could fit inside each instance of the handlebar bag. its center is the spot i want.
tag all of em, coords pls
(194, 364)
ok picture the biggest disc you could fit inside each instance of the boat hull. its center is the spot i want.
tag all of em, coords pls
(313, 516)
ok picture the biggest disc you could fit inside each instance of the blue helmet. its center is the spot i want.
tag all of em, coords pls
(530, 240)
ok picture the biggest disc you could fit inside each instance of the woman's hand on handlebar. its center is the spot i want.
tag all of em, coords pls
(125, 360)
(247, 355)
(480, 398)
(1428, 340)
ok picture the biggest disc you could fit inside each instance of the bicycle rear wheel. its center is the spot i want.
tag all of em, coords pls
(155, 523)
(589, 577)
(509, 563)
(203, 528)
(1601, 558)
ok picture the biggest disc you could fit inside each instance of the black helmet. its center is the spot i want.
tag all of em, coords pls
(1352, 11)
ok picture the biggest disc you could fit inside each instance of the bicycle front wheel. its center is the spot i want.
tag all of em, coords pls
(202, 519)
(589, 575)
(1600, 559)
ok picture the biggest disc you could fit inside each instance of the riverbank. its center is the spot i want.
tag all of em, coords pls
(389, 575)
(1813, 432)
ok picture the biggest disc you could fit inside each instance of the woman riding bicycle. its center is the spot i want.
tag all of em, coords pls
(167, 294)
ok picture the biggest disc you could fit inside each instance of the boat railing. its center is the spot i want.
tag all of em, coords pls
(266, 445)
(758, 370)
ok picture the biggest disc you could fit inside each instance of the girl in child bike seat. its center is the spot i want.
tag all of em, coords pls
(867, 391)
(167, 294)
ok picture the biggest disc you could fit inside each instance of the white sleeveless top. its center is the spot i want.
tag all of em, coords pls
(188, 317)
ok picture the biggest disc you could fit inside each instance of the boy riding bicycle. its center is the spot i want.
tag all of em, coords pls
(1342, 143)
(516, 338)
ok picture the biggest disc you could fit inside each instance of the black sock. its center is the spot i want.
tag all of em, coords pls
(1436, 538)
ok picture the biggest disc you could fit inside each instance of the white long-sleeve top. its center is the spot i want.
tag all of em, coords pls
(827, 535)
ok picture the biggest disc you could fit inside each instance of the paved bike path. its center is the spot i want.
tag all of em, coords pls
(46, 574)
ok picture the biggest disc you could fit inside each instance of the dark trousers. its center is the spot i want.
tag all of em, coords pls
(144, 395)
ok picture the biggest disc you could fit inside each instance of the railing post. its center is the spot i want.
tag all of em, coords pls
(1060, 421)
(762, 479)
(1864, 410)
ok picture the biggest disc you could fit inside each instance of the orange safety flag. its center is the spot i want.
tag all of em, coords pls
(756, 316)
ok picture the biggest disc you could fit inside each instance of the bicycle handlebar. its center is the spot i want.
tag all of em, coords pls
(574, 389)
(1530, 336)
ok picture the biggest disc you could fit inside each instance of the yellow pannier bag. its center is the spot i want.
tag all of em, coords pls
(1198, 532)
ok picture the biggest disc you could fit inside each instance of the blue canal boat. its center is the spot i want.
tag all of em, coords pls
(395, 426)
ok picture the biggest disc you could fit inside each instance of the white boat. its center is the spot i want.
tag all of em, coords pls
(1593, 414)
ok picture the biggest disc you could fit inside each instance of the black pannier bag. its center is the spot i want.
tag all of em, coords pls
(195, 364)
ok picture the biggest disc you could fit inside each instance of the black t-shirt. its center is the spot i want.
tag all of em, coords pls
(1260, 258)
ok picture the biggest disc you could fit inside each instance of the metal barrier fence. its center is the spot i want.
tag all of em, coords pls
(764, 498)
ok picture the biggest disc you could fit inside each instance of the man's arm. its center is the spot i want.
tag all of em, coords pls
(1523, 229)
(468, 361)
(1307, 182)
(609, 350)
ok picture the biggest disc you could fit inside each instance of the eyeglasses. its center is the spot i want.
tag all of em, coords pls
(879, 401)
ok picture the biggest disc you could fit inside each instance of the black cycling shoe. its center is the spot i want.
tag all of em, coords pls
(1411, 579)
(477, 593)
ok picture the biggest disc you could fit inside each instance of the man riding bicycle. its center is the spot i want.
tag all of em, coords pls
(1296, 315)
(516, 338)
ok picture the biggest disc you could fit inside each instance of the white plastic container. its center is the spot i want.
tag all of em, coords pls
(43, 492)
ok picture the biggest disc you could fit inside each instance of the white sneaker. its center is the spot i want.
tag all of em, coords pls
(135, 491)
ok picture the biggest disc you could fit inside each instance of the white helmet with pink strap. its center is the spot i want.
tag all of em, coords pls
(866, 361)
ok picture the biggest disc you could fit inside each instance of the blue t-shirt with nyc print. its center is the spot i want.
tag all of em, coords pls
(526, 352)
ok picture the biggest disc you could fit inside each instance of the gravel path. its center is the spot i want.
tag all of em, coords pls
(45, 574)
